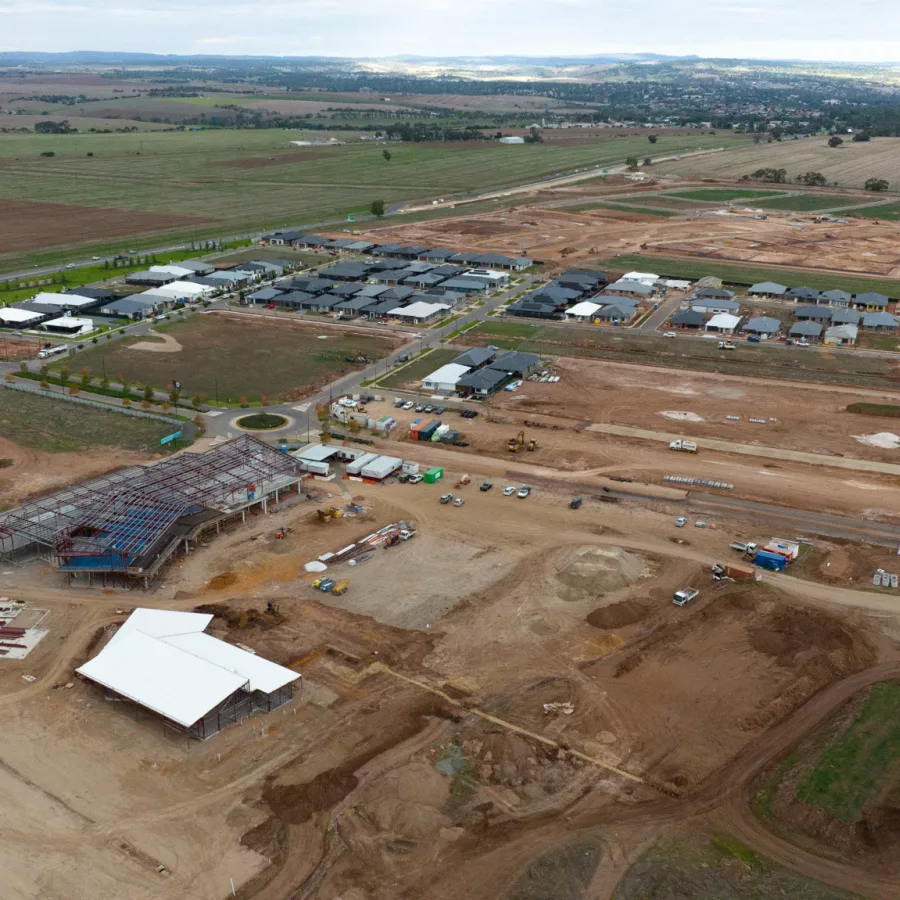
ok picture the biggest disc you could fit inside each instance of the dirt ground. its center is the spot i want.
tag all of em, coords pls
(413, 758)
(29, 224)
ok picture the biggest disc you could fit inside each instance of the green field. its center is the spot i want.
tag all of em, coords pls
(228, 180)
(738, 274)
(811, 202)
(227, 358)
(508, 329)
(862, 762)
(410, 375)
(58, 426)
(722, 195)
(715, 867)
(890, 211)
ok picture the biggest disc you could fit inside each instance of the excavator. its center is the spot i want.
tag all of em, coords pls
(515, 443)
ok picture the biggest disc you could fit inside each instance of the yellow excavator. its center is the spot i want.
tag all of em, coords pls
(331, 512)
(515, 443)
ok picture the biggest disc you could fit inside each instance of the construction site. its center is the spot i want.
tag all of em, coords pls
(615, 631)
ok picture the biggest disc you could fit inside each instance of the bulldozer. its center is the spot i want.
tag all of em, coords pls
(340, 588)
(532, 445)
(330, 512)
(515, 443)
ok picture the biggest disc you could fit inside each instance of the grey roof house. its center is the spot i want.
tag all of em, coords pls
(768, 289)
(767, 325)
(806, 329)
(879, 321)
(516, 363)
(482, 382)
(870, 300)
(687, 318)
(813, 313)
(474, 358)
(839, 299)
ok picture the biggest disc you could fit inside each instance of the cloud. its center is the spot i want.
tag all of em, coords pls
(812, 29)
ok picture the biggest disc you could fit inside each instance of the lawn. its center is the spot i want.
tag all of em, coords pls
(230, 357)
(875, 409)
(625, 207)
(57, 426)
(811, 202)
(242, 180)
(508, 329)
(410, 375)
(738, 274)
(721, 195)
(862, 762)
(890, 211)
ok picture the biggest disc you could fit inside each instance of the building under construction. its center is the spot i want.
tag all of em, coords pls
(129, 524)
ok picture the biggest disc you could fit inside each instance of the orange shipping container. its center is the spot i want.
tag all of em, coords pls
(739, 572)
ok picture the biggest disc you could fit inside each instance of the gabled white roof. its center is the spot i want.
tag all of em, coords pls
(69, 322)
(585, 308)
(45, 299)
(12, 314)
(182, 289)
(450, 373)
(647, 277)
(163, 660)
(723, 320)
(418, 310)
(173, 270)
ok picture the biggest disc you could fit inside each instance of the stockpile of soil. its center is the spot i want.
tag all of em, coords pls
(591, 571)
(618, 615)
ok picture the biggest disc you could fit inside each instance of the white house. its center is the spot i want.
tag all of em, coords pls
(10, 316)
(647, 278)
(582, 312)
(179, 271)
(69, 325)
(723, 323)
(420, 311)
(444, 379)
(184, 290)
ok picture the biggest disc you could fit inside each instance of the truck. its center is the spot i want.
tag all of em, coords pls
(746, 548)
(773, 561)
(684, 596)
(686, 446)
(726, 345)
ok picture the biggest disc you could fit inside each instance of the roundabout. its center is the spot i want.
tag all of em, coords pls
(262, 421)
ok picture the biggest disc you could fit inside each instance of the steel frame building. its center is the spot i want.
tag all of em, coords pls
(130, 523)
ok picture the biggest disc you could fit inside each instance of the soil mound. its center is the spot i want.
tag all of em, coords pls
(589, 571)
(618, 615)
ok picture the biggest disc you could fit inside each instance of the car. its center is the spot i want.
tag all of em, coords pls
(446, 498)
(70, 265)
(439, 411)
(415, 479)
(803, 343)
(409, 404)
(670, 334)
(508, 491)
(428, 409)
(403, 357)
(486, 486)
(95, 258)
(680, 522)
(17, 333)
(458, 501)
(524, 491)
(700, 525)
(403, 478)
(420, 407)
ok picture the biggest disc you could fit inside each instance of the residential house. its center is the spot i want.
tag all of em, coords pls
(515, 363)
(583, 311)
(813, 313)
(631, 288)
(311, 285)
(559, 295)
(713, 305)
(281, 237)
(424, 280)
(837, 299)
(648, 278)
(295, 300)
(411, 252)
(762, 326)
(870, 301)
(151, 279)
(615, 313)
(466, 258)
(263, 268)
(351, 307)
(385, 250)
(499, 261)
(337, 245)
(846, 316)
(802, 295)
(345, 289)
(534, 309)
(474, 358)
(448, 270)
(101, 294)
(842, 335)
(583, 280)
(264, 295)
(723, 323)
(879, 321)
(372, 290)
(419, 312)
(465, 285)
(309, 242)
(452, 298)
(482, 382)
(808, 330)
(687, 318)
(379, 308)
(346, 271)
(710, 293)
(445, 379)
(133, 307)
(399, 293)
(768, 289)
(494, 278)
(321, 303)
(384, 264)
(360, 247)
(199, 267)
(436, 256)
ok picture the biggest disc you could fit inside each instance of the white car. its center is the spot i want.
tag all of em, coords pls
(670, 334)
(508, 491)
(524, 491)
(70, 265)
(95, 258)
(458, 501)
(415, 479)
(409, 404)
(680, 522)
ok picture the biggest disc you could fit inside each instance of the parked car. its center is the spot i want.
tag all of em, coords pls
(420, 407)
(524, 491)
(70, 265)
(440, 411)
(508, 491)
(670, 334)
(409, 404)
(700, 525)
(446, 498)
(486, 486)
(415, 479)
(803, 343)
(680, 522)
(428, 409)
(458, 501)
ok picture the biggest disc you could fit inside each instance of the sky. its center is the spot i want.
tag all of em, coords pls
(762, 29)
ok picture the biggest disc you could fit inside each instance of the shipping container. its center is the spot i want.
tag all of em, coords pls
(359, 464)
(739, 572)
(411, 468)
(774, 561)
(434, 475)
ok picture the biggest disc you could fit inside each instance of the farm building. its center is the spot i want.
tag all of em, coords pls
(164, 662)
(723, 323)
(768, 289)
(762, 326)
(444, 380)
(841, 334)
(129, 524)
(812, 331)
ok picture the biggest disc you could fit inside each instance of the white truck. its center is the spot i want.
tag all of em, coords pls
(726, 345)
(747, 548)
(686, 446)
(684, 596)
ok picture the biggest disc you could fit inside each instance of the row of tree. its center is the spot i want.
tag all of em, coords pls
(810, 179)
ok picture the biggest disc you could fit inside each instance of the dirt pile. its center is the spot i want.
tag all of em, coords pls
(591, 571)
(618, 615)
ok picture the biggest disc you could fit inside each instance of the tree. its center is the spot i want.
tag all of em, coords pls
(377, 208)
(534, 136)
(648, 161)
(63, 375)
(772, 176)
(652, 138)
(876, 184)
(386, 154)
(835, 141)
(631, 162)
(861, 137)
(148, 392)
(813, 179)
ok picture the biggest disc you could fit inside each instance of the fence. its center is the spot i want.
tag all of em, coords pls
(125, 410)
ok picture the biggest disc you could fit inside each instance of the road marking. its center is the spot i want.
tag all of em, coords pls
(213, 413)
(303, 407)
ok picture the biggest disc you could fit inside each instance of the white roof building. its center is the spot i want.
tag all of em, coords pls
(14, 316)
(418, 310)
(647, 278)
(444, 379)
(180, 271)
(73, 300)
(724, 323)
(69, 325)
(183, 289)
(583, 310)
(163, 661)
